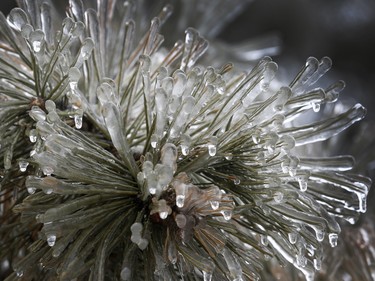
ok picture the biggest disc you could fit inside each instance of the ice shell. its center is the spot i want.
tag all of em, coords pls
(17, 18)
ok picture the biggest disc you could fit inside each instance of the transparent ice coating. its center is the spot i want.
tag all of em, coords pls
(140, 150)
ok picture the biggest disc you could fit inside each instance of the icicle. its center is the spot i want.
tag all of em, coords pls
(323, 130)
(179, 84)
(168, 156)
(78, 118)
(85, 52)
(269, 73)
(332, 92)
(195, 46)
(154, 140)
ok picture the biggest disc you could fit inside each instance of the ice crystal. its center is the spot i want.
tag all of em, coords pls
(134, 161)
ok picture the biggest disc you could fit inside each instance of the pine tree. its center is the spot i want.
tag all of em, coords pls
(122, 159)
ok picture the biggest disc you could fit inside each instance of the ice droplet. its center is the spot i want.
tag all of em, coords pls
(212, 146)
(19, 273)
(214, 204)
(36, 39)
(23, 165)
(78, 118)
(236, 181)
(152, 190)
(51, 239)
(212, 150)
(163, 215)
(74, 76)
(31, 190)
(154, 140)
(333, 237)
(33, 135)
(180, 200)
(316, 107)
(229, 156)
(227, 214)
(50, 106)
